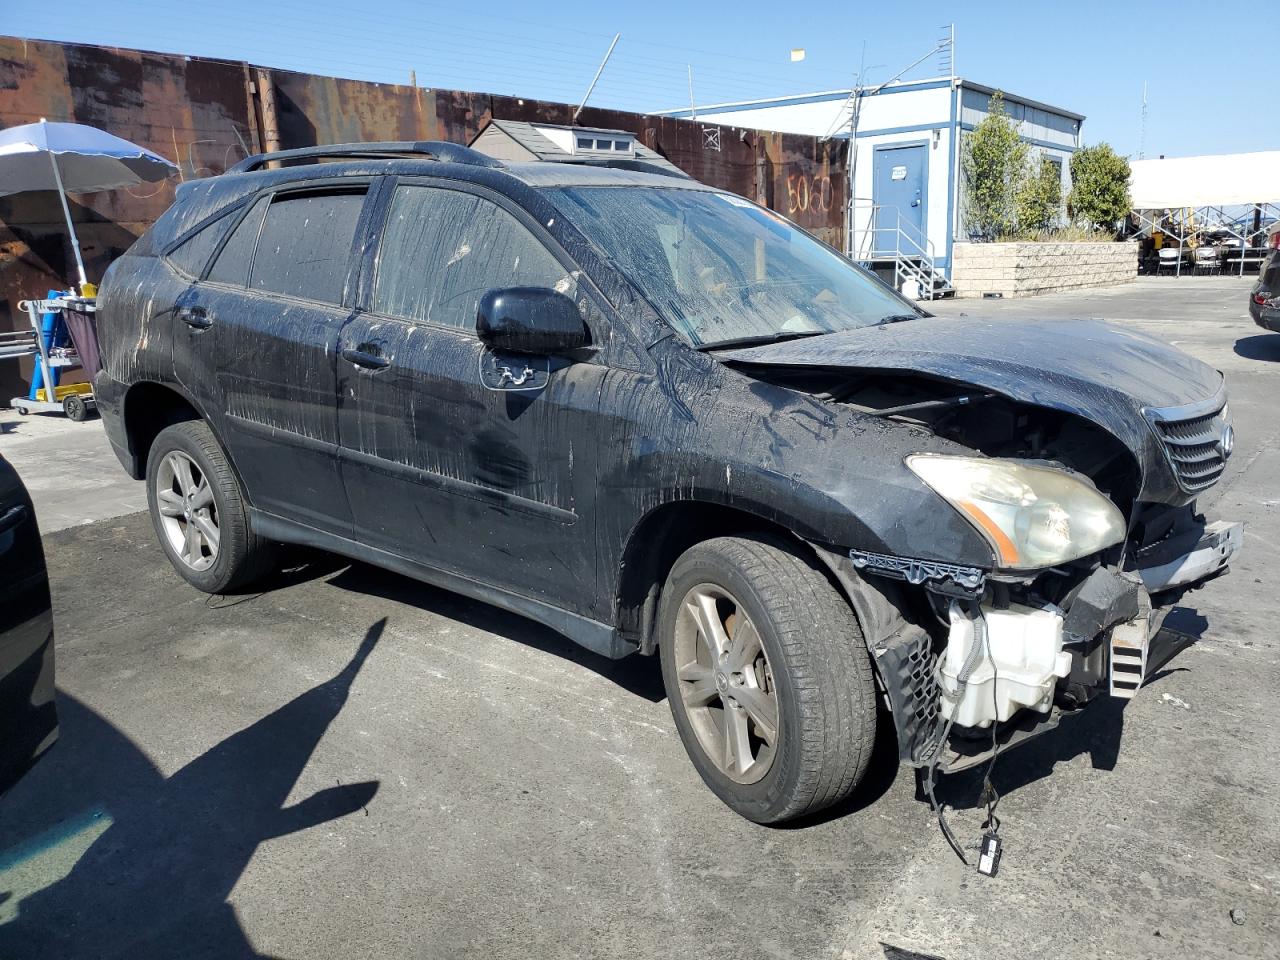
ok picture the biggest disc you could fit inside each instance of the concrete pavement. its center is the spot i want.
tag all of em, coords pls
(69, 468)
(350, 764)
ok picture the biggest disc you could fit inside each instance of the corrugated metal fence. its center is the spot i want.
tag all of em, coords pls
(207, 114)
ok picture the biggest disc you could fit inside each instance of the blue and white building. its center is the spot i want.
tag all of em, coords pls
(905, 171)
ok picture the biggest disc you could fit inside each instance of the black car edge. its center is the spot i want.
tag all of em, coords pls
(662, 419)
(28, 716)
(1264, 298)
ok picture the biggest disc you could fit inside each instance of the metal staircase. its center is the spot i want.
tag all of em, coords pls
(889, 244)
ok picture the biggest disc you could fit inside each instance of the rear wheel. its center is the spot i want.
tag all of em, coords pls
(200, 513)
(768, 678)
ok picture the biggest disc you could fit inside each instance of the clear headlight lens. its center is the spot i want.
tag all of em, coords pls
(1033, 517)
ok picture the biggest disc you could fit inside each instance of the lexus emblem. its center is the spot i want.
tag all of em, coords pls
(1227, 443)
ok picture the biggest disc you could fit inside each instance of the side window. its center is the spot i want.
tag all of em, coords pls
(442, 250)
(304, 249)
(232, 265)
(191, 256)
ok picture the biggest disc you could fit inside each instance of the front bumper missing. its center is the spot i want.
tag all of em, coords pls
(1110, 627)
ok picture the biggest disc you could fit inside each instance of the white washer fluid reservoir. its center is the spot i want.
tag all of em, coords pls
(1021, 659)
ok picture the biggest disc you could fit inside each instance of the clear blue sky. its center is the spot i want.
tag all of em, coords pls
(1087, 56)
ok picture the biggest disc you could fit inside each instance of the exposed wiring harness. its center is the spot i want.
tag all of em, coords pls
(990, 798)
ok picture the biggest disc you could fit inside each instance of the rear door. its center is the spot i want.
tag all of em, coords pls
(495, 485)
(255, 341)
(28, 718)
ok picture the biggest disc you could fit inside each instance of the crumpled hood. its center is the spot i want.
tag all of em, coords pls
(1085, 367)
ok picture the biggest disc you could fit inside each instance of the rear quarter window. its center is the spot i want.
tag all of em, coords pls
(192, 255)
(232, 265)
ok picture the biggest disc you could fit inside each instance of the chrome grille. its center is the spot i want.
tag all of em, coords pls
(1195, 444)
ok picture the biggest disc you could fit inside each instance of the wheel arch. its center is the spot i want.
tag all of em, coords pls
(668, 530)
(149, 406)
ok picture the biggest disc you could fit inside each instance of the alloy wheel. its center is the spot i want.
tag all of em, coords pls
(188, 514)
(726, 683)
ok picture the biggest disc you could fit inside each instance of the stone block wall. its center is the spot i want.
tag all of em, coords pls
(1026, 269)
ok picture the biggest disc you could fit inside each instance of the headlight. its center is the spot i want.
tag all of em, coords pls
(1032, 516)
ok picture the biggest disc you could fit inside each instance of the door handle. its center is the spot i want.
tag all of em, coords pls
(363, 358)
(12, 517)
(195, 317)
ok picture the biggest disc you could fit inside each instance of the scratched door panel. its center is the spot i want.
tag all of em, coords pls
(258, 338)
(498, 486)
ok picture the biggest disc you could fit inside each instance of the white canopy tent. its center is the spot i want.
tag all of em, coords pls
(1218, 180)
(1219, 208)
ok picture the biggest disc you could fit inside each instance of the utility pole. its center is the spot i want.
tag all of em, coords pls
(599, 70)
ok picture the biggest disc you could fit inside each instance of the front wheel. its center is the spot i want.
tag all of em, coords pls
(199, 512)
(767, 676)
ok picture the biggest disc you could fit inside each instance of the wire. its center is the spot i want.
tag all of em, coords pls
(979, 646)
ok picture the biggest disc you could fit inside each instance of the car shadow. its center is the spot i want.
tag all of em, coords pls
(155, 881)
(1263, 346)
(639, 676)
(1096, 730)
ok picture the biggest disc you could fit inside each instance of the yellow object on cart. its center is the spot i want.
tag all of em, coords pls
(63, 391)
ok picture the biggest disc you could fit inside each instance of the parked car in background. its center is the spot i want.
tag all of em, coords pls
(28, 716)
(1264, 298)
(662, 419)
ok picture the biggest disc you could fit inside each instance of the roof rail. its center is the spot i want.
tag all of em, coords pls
(383, 150)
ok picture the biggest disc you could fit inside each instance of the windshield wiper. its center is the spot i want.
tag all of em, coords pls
(897, 318)
(760, 339)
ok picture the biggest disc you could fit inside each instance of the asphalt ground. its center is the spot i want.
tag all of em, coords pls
(351, 764)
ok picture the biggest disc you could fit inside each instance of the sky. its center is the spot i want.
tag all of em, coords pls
(1086, 56)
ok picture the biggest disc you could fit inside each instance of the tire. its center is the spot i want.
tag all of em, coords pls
(815, 666)
(74, 407)
(216, 504)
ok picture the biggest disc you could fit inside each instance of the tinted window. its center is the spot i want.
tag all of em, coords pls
(232, 265)
(304, 249)
(442, 250)
(193, 254)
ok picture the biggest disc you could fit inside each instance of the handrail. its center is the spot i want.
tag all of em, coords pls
(906, 245)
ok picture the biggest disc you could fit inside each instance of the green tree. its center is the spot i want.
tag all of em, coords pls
(993, 162)
(1039, 197)
(1099, 187)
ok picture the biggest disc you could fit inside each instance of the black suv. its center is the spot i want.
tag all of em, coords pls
(662, 419)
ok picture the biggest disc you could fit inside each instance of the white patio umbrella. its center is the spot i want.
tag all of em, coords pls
(73, 158)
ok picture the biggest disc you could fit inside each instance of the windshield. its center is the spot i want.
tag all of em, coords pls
(722, 270)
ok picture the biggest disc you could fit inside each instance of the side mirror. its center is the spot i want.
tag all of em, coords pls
(531, 320)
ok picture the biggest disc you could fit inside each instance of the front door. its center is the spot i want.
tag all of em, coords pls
(446, 465)
(899, 192)
(255, 343)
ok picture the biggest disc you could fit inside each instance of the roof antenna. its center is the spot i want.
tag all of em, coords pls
(693, 110)
(599, 70)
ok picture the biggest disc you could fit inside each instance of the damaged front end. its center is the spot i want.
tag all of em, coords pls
(1077, 452)
(975, 661)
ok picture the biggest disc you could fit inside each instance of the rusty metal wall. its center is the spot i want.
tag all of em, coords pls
(207, 114)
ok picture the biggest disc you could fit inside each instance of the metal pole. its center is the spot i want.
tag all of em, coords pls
(66, 210)
(693, 110)
(599, 70)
